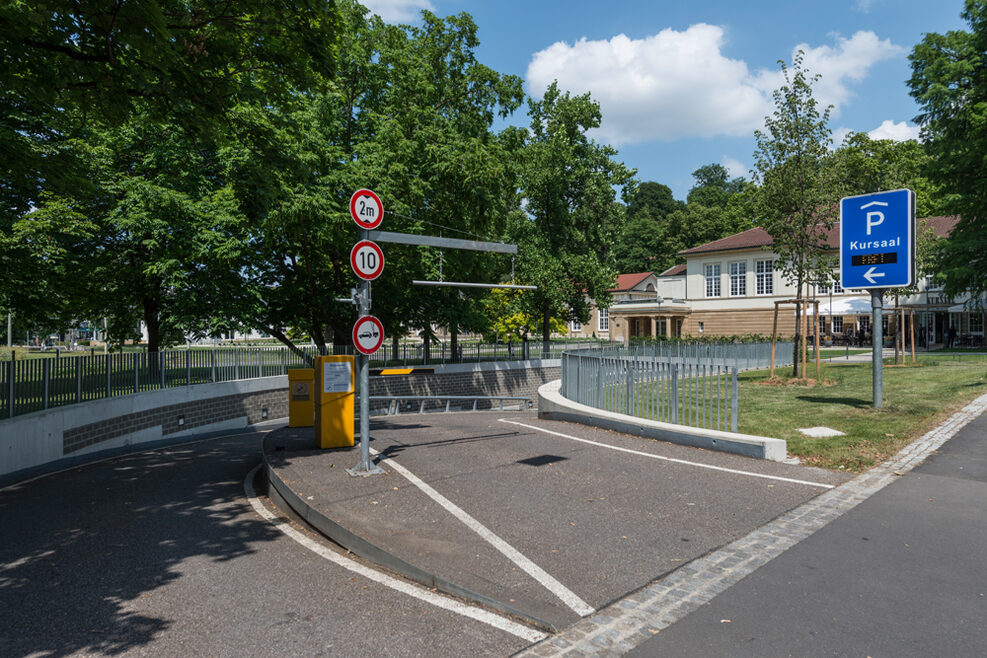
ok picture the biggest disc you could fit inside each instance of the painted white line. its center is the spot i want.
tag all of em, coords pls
(672, 459)
(566, 595)
(446, 603)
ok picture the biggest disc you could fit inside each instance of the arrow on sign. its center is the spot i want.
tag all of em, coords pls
(872, 276)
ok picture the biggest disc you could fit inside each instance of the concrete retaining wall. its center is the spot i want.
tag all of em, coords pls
(62, 436)
(553, 406)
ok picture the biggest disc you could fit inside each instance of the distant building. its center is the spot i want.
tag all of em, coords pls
(730, 286)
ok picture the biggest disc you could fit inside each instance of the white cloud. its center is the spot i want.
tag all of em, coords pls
(839, 135)
(734, 167)
(397, 11)
(847, 62)
(679, 84)
(899, 132)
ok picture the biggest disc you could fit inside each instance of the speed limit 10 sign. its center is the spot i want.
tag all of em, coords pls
(366, 209)
(367, 260)
(368, 334)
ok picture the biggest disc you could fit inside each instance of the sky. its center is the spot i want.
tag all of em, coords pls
(682, 84)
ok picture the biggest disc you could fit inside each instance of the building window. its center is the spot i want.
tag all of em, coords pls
(764, 269)
(713, 280)
(976, 323)
(604, 321)
(865, 323)
(838, 324)
(837, 287)
(884, 325)
(577, 325)
(738, 279)
(701, 327)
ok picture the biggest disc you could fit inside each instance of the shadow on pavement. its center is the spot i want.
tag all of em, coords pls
(84, 552)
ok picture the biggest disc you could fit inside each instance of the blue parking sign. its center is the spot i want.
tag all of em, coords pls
(877, 240)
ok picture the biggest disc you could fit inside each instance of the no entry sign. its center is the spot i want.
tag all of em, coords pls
(368, 335)
(367, 260)
(366, 209)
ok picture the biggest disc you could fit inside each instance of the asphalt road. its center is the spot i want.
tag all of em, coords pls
(161, 553)
(902, 574)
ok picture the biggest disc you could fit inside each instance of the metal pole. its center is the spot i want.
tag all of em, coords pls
(365, 467)
(877, 333)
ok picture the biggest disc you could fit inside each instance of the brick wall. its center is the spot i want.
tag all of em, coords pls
(194, 414)
(518, 382)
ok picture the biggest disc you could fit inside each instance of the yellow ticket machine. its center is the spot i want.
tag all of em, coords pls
(335, 391)
(301, 397)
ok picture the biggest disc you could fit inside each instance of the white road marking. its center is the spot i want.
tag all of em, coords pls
(438, 600)
(672, 459)
(566, 595)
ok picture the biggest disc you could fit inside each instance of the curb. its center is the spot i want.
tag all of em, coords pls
(552, 406)
(287, 501)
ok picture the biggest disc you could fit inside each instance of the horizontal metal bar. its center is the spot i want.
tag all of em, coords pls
(449, 243)
(459, 284)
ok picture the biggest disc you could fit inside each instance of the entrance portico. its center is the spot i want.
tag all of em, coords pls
(651, 319)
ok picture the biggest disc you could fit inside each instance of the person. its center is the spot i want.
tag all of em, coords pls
(950, 337)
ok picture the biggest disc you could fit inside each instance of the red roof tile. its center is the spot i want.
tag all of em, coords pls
(674, 270)
(758, 237)
(628, 281)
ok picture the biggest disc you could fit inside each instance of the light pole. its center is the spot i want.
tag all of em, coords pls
(658, 299)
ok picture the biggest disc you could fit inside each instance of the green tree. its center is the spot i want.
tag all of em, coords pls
(796, 202)
(643, 242)
(949, 81)
(65, 66)
(409, 115)
(714, 187)
(571, 216)
(862, 165)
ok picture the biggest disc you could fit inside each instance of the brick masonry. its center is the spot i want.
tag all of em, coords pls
(512, 382)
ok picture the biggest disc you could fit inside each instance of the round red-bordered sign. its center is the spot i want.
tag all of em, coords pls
(367, 260)
(366, 209)
(368, 335)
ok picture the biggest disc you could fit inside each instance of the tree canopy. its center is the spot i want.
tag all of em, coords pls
(949, 81)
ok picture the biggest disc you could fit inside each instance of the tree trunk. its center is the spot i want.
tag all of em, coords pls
(454, 341)
(152, 321)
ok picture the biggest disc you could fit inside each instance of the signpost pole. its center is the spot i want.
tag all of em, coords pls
(365, 466)
(877, 334)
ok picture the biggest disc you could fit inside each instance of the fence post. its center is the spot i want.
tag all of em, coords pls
(236, 362)
(46, 375)
(284, 360)
(674, 397)
(599, 381)
(78, 378)
(630, 388)
(188, 367)
(260, 363)
(10, 386)
(733, 400)
(109, 387)
(212, 362)
(136, 379)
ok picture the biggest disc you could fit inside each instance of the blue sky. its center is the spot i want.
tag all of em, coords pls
(685, 83)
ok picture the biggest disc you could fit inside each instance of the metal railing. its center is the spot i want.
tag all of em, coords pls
(35, 384)
(28, 385)
(693, 384)
(442, 403)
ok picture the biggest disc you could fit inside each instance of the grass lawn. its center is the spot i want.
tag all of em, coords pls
(916, 399)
